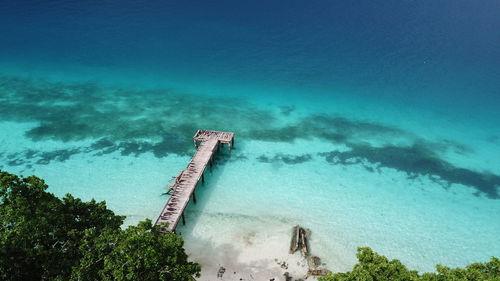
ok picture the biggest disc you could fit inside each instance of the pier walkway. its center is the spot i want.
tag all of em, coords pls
(185, 183)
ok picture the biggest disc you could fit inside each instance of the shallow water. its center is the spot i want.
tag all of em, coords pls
(371, 123)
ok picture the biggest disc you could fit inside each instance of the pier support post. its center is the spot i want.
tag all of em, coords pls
(203, 177)
(232, 142)
(194, 196)
(183, 219)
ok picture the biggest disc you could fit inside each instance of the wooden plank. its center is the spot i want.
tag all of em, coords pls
(185, 183)
(294, 244)
(303, 241)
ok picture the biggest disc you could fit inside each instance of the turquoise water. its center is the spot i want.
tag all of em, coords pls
(370, 123)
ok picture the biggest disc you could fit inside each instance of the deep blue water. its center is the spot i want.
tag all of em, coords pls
(407, 50)
(386, 110)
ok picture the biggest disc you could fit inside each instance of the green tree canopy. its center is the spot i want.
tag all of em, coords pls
(374, 267)
(43, 237)
(137, 253)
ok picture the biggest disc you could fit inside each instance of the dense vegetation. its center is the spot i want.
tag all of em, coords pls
(43, 237)
(373, 267)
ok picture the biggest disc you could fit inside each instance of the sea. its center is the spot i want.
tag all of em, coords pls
(370, 123)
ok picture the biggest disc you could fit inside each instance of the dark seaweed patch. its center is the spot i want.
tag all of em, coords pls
(78, 111)
(417, 159)
(174, 143)
(135, 148)
(68, 112)
(335, 129)
(30, 156)
(16, 162)
(162, 122)
(264, 159)
(102, 144)
(285, 158)
(287, 110)
(60, 155)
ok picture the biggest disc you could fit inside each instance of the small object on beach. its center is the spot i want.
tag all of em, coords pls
(313, 261)
(221, 272)
(318, 272)
(284, 265)
(287, 276)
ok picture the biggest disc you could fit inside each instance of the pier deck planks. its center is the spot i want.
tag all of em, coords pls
(186, 182)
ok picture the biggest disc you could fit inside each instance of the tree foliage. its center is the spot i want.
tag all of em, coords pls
(373, 267)
(43, 237)
(137, 253)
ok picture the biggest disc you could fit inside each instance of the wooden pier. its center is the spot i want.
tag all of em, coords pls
(183, 188)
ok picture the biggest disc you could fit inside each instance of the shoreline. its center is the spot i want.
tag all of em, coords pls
(255, 255)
